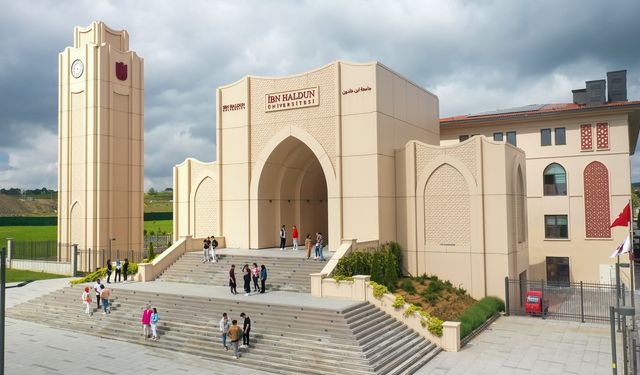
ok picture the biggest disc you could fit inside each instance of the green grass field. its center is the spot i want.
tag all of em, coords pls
(49, 233)
(20, 275)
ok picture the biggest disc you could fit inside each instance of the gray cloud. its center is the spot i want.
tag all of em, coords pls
(476, 55)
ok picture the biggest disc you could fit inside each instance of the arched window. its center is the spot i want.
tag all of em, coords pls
(555, 180)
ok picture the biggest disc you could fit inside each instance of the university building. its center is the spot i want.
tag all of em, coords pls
(578, 174)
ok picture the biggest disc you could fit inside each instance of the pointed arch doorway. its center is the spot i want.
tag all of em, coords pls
(292, 190)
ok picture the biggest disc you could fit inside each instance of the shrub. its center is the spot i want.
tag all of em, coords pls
(383, 264)
(422, 278)
(151, 253)
(474, 316)
(411, 309)
(398, 302)
(338, 279)
(429, 296)
(431, 323)
(407, 286)
(378, 289)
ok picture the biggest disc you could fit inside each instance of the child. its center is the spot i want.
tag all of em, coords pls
(146, 321)
(154, 324)
(86, 299)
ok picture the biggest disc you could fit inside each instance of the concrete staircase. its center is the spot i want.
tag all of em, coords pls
(360, 339)
(284, 273)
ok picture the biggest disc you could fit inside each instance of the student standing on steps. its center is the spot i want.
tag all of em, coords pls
(246, 275)
(146, 321)
(225, 324)
(125, 269)
(295, 236)
(96, 287)
(308, 243)
(86, 300)
(154, 324)
(283, 238)
(117, 278)
(109, 271)
(205, 249)
(232, 279)
(234, 336)
(214, 245)
(246, 328)
(255, 276)
(263, 277)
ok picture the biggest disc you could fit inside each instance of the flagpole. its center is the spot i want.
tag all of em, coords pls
(632, 259)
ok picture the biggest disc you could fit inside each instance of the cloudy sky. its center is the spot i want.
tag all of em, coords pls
(475, 55)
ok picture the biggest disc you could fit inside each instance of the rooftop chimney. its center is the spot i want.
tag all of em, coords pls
(579, 96)
(617, 86)
(596, 91)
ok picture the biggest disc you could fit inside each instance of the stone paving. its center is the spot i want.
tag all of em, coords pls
(527, 345)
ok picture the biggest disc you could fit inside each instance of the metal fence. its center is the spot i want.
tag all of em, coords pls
(35, 250)
(577, 301)
(160, 242)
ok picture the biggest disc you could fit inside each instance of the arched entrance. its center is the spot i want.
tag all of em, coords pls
(292, 190)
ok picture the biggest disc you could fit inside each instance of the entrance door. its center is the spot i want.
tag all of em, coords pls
(558, 271)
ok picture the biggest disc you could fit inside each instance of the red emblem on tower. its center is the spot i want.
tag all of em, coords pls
(121, 71)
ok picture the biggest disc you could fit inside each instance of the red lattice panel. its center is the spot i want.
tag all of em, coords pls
(586, 137)
(596, 201)
(602, 136)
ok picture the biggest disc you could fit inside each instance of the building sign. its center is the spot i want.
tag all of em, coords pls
(292, 99)
(356, 90)
(233, 107)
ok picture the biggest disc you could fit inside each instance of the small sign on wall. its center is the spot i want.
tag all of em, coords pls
(294, 99)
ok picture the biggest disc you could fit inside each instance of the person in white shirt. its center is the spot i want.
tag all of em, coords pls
(96, 287)
(86, 300)
(225, 323)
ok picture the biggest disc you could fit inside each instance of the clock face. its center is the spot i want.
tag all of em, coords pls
(77, 68)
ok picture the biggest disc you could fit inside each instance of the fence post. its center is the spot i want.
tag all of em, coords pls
(581, 302)
(9, 251)
(74, 259)
(542, 297)
(634, 352)
(506, 296)
(3, 279)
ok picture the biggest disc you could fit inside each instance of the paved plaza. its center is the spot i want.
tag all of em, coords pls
(511, 345)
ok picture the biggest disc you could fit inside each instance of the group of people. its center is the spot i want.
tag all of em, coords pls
(150, 321)
(256, 274)
(209, 246)
(319, 243)
(121, 268)
(232, 333)
(102, 294)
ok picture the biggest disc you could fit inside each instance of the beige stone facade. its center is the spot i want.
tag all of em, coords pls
(594, 155)
(352, 151)
(100, 142)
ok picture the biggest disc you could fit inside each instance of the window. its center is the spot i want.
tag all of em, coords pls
(463, 138)
(558, 271)
(554, 180)
(561, 136)
(555, 226)
(498, 137)
(545, 137)
(511, 138)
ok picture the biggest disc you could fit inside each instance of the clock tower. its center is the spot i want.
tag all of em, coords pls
(100, 147)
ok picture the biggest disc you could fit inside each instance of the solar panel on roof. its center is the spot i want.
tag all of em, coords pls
(526, 108)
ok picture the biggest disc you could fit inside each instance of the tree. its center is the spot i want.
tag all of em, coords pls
(152, 191)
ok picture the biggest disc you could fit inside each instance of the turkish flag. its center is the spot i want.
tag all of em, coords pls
(624, 217)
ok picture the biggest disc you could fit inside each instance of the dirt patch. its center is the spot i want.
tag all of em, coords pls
(448, 305)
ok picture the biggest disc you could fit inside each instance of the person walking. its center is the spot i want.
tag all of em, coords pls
(255, 276)
(246, 329)
(295, 236)
(125, 269)
(214, 245)
(105, 293)
(96, 287)
(109, 271)
(146, 321)
(246, 275)
(232, 279)
(154, 324)
(205, 249)
(86, 300)
(308, 243)
(225, 324)
(234, 335)
(117, 279)
(263, 277)
(283, 238)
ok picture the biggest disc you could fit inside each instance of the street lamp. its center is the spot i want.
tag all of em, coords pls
(110, 242)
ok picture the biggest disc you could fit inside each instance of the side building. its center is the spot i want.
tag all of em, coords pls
(578, 174)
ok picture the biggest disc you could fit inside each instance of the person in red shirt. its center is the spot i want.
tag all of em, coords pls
(295, 236)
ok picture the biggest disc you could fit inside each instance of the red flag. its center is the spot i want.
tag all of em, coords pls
(624, 217)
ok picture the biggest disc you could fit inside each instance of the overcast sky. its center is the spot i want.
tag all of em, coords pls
(476, 56)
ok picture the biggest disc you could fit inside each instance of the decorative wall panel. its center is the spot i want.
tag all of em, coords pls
(596, 201)
(602, 136)
(447, 215)
(206, 209)
(586, 137)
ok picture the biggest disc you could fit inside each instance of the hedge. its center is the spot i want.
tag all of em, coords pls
(383, 264)
(478, 313)
(39, 221)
